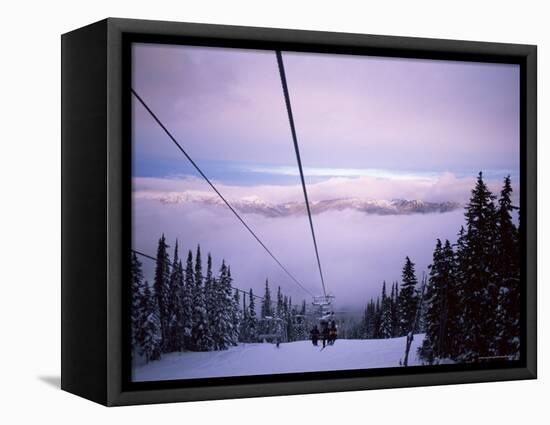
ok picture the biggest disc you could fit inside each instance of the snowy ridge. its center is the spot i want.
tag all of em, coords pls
(292, 357)
(254, 205)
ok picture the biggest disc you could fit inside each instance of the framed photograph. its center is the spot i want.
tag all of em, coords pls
(252, 212)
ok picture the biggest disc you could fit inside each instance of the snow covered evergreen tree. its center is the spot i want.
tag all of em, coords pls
(174, 341)
(296, 330)
(385, 330)
(301, 323)
(161, 285)
(233, 305)
(215, 317)
(456, 343)
(363, 324)
(440, 295)
(421, 319)
(288, 318)
(150, 347)
(222, 332)
(479, 291)
(267, 309)
(454, 307)
(251, 321)
(377, 316)
(507, 272)
(370, 320)
(239, 313)
(187, 303)
(218, 326)
(279, 312)
(408, 298)
(137, 287)
(243, 335)
(396, 329)
(201, 339)
(210, 299)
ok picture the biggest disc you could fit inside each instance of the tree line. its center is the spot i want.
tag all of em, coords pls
(185, 310)
(392, 315)
(471, 306)
(473, 293)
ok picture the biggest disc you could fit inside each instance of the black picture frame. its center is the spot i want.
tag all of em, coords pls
(96, 206)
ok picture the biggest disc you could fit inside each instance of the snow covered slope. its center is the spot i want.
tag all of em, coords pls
(259, 359)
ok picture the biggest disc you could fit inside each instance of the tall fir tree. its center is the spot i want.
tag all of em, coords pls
(377, 317)
(218, 324)
(217, 327)
(161, 285)
(174, 341)
(369, 320)
(200, 331)
(439, 295)
(302, 323)
(361, 325)
(363, 331)
(279, 312)
(289, 317)
(137, 288)
(454, 307)
(251, 320)
(408, 298)
(238, 314)
(461, 271)
(385, 315)
(187, 303)
(222, 326)
(507, 270)
(479, 291)
(243, 336)
(396, 329)
(421, 307)
(372, 324)
(210, 299)
(151, 345)
(233, 305)
(267, 309)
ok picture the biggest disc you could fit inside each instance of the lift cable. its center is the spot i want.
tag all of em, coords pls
(217, 191)
(297, 150)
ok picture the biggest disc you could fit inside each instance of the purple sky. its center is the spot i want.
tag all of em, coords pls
(368, 128)
(350, 111)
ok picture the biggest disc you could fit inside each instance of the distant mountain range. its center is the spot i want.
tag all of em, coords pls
(285, 209)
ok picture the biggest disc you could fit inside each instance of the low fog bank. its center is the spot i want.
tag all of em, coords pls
(357, 251)
(443, 188)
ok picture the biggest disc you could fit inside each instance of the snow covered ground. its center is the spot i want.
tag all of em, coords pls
(260, 359)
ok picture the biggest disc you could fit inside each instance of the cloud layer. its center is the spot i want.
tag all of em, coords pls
(367, 194)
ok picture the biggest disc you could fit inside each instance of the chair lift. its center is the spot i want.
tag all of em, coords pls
(323, 307)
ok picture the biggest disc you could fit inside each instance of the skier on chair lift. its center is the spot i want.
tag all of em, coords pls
(332, 333)
(324, 332)
(314, 335)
